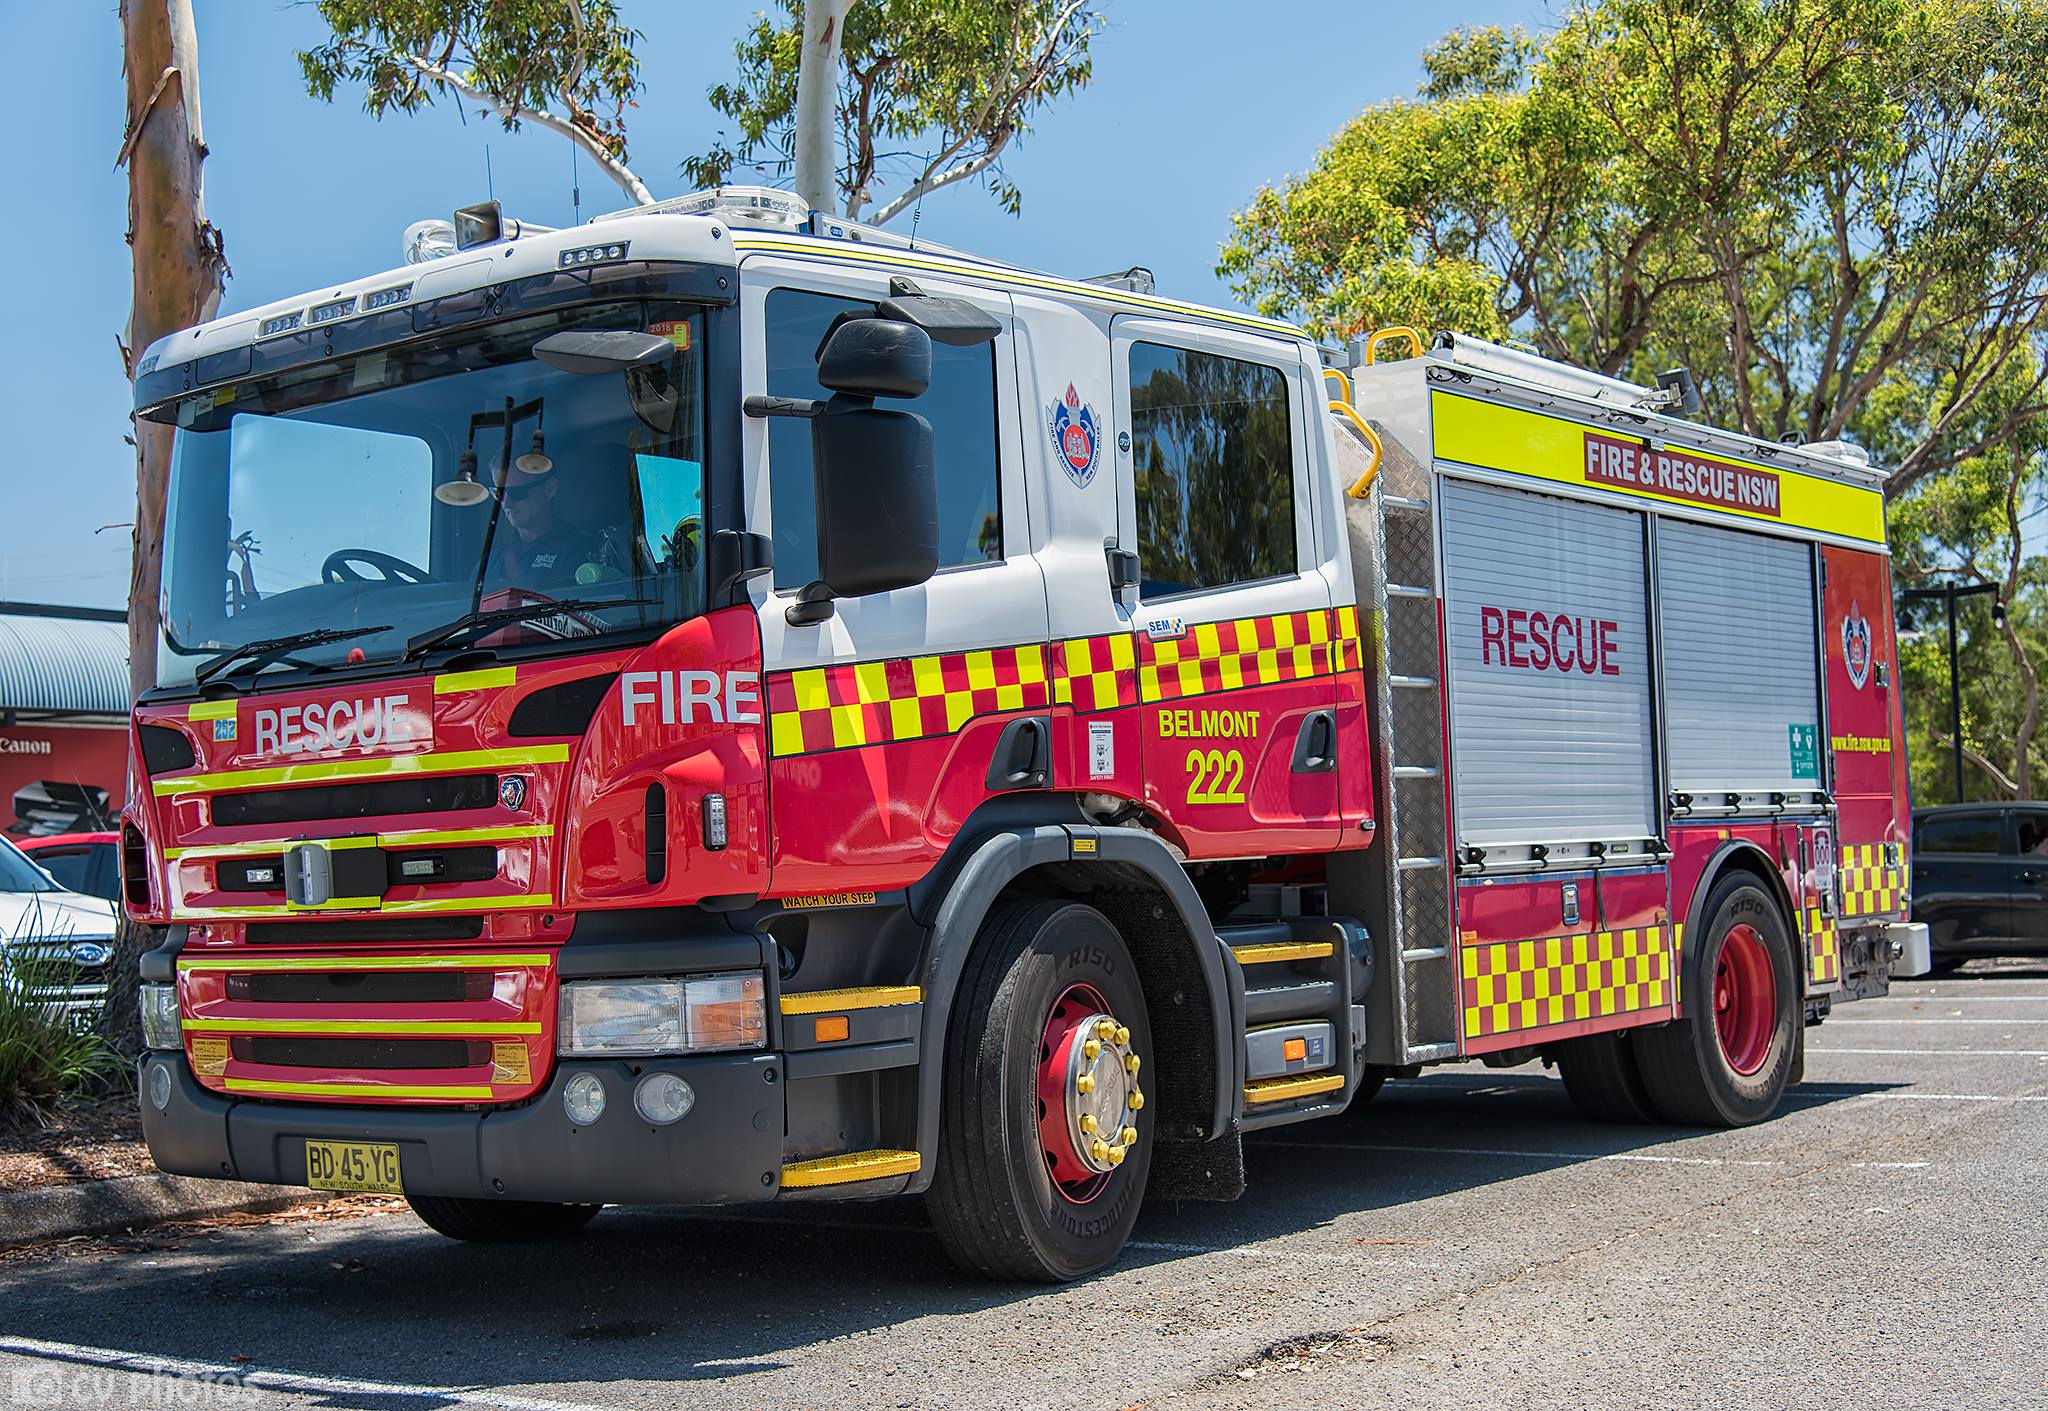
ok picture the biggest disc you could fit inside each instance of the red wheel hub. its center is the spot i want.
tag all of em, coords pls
(1745, 1000)
(1088, 1094)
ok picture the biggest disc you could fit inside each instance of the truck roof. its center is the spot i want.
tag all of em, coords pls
(700, 229)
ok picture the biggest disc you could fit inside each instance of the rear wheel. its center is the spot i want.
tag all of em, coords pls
(1601, 1076)
(1728, 1061)
(1044, 1140)
(498, 1221)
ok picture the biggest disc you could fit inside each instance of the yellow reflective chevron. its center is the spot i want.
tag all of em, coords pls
(316, 771)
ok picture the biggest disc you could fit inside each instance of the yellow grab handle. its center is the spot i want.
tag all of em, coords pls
(1361, 487)
(1343, 383)
(1399, 330)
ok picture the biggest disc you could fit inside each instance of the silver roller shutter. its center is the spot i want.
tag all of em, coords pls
(1741, 660)
(1549, 744)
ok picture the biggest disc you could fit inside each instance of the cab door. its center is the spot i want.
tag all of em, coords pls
(1235, 638)
(884, 717)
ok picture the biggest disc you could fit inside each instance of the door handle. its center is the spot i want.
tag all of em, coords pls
(1315, 748)
(2028, 874)
(1023, 757)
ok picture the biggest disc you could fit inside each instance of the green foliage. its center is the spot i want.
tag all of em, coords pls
(525, 57)
(928, 94)
(1834, 211)
(45, 1057)
(1968, 525)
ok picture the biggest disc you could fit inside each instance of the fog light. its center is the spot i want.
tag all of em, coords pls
(160, 1086)
(663, 1098)
(583, 1098)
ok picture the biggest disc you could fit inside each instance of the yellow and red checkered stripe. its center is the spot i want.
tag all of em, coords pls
(1823, 950)
(1513, 985)
(1096, 673)
(1873, 878)
(904, 698)
(1246, 651)
(913, 698)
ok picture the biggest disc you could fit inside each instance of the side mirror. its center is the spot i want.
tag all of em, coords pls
(864, 356)
(875, 476)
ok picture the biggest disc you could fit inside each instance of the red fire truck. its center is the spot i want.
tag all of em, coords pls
(718, 705)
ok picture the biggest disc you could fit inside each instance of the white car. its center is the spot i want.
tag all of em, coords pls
(66, 938)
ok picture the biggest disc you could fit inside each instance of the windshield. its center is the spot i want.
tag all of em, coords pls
(404, 489)
(18, 874)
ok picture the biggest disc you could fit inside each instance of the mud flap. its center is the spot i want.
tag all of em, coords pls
(1191, 1169)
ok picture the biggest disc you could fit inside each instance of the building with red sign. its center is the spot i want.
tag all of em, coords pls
(63, 717)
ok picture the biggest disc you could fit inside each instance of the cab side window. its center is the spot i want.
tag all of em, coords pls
(1212, 450)
(1959, 833)
(2033, 830)
(960, 405)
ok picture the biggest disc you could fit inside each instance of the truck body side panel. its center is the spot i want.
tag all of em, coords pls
(1866, 734)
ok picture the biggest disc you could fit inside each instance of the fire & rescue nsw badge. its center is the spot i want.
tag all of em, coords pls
(1076, 437)
(1856, 645)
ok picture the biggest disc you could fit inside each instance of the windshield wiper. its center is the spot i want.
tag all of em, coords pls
(262, 653)
(471, 621)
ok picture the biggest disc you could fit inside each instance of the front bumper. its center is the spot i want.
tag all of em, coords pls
(727, 1149)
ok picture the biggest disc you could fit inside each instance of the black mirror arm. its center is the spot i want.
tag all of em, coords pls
(812, 606)
(783, 406)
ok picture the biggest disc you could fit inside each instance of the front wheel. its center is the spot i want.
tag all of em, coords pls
(1727, 1062)
(499, 1221)
(1044, 1137)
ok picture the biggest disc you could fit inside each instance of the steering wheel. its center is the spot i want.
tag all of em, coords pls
(390, 568)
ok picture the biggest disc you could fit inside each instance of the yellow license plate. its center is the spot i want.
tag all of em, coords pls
(353, 1166)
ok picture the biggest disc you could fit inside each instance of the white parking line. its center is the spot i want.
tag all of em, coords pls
(1938, 1021)
(1942, 1053)
(1649, 1158)
(1950, 1097)
(227, 1375)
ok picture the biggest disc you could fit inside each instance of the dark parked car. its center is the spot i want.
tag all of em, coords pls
(1980, 879)
(81, 862)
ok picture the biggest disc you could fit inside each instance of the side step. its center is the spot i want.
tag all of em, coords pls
(847, 1167)
(1304, 982)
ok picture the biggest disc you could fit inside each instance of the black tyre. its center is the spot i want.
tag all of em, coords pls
(1603, 1080)
(1040, 1173)
(497, 1221)
(1728, 1061)
(1370, 1080)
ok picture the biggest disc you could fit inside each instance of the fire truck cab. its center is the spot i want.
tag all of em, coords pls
(719, 705)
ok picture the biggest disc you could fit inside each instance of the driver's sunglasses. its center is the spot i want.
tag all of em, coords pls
(516, 493)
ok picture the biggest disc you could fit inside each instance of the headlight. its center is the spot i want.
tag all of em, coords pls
(636, 1018)
(160, 1028)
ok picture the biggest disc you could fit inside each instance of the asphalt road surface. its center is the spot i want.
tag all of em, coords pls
(1466, 1241)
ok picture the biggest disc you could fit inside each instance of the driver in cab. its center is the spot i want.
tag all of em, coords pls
(536, 548)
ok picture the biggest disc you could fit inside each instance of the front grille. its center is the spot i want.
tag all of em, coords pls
(397, 928)
(343, 1054)
(443, 793)
(48, 975)
(360, 987)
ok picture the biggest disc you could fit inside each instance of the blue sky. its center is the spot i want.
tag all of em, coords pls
(1194, 105)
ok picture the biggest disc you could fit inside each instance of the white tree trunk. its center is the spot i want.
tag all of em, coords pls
(817, 91)
(622, 175)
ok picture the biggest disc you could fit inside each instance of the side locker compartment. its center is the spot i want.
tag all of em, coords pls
(1738, 620)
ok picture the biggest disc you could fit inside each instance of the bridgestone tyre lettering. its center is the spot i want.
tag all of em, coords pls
(1688, 1076)
(1602, 1077)
(992, 1199)
(499, 1221)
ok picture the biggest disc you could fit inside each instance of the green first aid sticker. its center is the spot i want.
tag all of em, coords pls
(1804, 744)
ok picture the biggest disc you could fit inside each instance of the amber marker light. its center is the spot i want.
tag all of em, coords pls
(831, 1029)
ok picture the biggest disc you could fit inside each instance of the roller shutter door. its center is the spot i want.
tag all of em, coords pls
(1551, 735)
(1741, 660)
